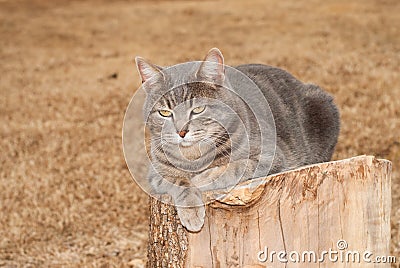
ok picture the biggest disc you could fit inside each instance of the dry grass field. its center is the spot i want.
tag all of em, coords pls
(67, 75)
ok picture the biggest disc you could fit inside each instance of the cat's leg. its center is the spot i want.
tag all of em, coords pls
(227, 176)
(156, 182)
(190, 207)
(187, 199)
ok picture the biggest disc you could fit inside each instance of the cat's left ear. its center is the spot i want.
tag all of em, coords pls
(149, 72)
(212, 68)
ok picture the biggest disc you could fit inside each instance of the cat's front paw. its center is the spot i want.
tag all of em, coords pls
(207, 178)
(192, 217)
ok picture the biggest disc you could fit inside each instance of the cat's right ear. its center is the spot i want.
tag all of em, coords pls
(149, 72)
(212, 68)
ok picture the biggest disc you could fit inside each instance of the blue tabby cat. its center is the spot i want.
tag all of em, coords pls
(204, 137)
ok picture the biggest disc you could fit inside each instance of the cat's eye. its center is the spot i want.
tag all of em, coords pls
(199, 109)
(165, 113)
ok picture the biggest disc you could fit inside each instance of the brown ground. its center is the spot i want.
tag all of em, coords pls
(66, 196)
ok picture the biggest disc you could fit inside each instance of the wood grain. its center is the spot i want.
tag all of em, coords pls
(303, 210)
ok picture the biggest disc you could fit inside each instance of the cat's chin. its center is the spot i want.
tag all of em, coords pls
(185, 143)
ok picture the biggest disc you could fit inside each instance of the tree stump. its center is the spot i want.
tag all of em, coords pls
(341, 206)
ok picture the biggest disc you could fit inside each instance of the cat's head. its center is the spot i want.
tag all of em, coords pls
(188, 113)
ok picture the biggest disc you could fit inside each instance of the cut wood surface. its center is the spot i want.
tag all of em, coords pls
(341, 206)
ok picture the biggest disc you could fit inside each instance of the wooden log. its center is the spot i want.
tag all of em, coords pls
(341, 206)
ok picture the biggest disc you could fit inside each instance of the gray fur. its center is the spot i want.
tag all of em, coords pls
(224, 143)
(306, 119)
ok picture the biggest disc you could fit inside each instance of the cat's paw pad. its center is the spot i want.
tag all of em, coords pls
(192, 218)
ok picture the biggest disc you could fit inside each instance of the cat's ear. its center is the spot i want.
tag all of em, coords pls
(149, 72)
(212, 68)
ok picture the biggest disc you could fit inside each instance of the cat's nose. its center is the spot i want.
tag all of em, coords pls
(182, 133)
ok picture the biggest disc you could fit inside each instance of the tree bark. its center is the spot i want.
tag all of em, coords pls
(341, 206)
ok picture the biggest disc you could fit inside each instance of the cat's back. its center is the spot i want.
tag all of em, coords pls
(306, 119)
(271, 79)
(282, 90)
(286, 95)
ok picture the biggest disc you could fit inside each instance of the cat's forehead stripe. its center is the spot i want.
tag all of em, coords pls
(165, 103)
(185, 91)
(173, 97)
(168, 101)
(176, 96)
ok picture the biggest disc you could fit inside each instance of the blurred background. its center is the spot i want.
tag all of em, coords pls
(67, 75)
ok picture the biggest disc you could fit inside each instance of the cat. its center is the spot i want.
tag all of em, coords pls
(204, 137)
